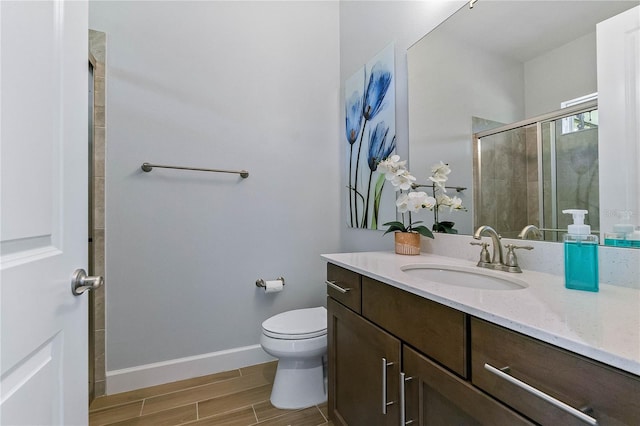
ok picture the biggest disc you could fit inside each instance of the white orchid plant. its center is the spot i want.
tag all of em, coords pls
(411, 200)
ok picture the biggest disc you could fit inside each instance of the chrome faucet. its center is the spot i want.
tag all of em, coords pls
(495, 240)
(497, 260)
(530, 229)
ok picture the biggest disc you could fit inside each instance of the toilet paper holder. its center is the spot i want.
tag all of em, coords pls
(261, 283)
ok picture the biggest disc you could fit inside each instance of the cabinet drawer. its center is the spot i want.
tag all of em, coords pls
(346, 287)
(434, 329)
(604, 393)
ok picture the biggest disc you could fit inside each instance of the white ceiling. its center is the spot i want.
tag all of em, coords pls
(524, 29)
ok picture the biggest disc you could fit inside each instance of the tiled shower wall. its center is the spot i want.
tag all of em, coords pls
(504, 182)
(510, 182)
(97, 56)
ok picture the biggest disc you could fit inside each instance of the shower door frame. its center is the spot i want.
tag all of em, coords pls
(538, 121)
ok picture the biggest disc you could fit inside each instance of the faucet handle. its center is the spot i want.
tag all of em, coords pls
(511, 260)
(484, 253)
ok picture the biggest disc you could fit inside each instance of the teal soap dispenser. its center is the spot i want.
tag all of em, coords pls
(580, 254)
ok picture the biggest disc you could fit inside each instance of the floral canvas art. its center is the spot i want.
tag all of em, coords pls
(370, 130)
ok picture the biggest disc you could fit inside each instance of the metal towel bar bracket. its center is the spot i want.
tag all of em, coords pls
(147, 167)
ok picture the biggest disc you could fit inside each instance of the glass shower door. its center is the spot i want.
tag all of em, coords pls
(570, 177)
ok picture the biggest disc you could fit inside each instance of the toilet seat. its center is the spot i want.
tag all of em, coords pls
(297, 324)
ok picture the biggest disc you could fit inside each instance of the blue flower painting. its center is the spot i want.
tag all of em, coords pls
(370, 138)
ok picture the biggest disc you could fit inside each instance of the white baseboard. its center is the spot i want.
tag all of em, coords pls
(184, 368)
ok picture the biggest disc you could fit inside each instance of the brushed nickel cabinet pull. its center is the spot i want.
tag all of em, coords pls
(385, 404)
(334, 286)
(502, 373)
(403, 380)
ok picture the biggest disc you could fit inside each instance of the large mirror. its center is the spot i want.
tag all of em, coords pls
(521, 75)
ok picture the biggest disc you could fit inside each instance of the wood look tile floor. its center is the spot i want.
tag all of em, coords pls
(235, 398)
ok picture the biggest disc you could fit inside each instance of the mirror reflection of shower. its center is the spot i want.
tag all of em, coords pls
(570, 164)
(536, 168)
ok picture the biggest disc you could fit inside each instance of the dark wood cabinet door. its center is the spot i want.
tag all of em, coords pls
(357, 350)
(435, 397)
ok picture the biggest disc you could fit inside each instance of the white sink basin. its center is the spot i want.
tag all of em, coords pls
(462, 276)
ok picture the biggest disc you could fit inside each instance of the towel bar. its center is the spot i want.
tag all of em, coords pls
(147, 167)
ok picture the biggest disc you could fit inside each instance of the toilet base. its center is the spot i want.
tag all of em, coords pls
(299, 383)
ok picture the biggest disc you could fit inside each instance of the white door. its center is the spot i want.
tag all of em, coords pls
(618, 41)
(43, 212)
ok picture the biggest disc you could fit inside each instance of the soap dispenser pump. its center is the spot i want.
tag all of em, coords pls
(624, 227)
(580, 254)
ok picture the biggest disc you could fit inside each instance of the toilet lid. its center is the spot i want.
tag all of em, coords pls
(297, 324)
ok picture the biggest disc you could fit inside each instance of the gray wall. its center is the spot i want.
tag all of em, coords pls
(573, 66)
(220, 85)
(467, 82)
(225, 84)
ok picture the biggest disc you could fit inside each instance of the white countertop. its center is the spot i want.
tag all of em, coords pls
(604, 326)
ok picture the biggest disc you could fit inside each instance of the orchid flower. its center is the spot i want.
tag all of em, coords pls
(391, 166)
(402, 180)
(412, 201)
(439, 174)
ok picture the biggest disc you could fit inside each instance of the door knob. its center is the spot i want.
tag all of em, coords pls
(81, 282)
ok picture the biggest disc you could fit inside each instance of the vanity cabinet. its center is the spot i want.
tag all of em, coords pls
(401, 348)
(424, 363)
(513, 368)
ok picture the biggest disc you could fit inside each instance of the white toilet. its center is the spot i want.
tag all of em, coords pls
(298, 339)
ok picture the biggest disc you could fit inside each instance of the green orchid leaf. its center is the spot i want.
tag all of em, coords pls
(423, 230)
(395, 226)
(394, 223)
(445, 227)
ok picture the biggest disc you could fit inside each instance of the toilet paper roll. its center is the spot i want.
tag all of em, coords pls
(273, 286)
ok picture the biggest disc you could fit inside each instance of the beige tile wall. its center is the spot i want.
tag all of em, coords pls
(97, 54)
(504, 182)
